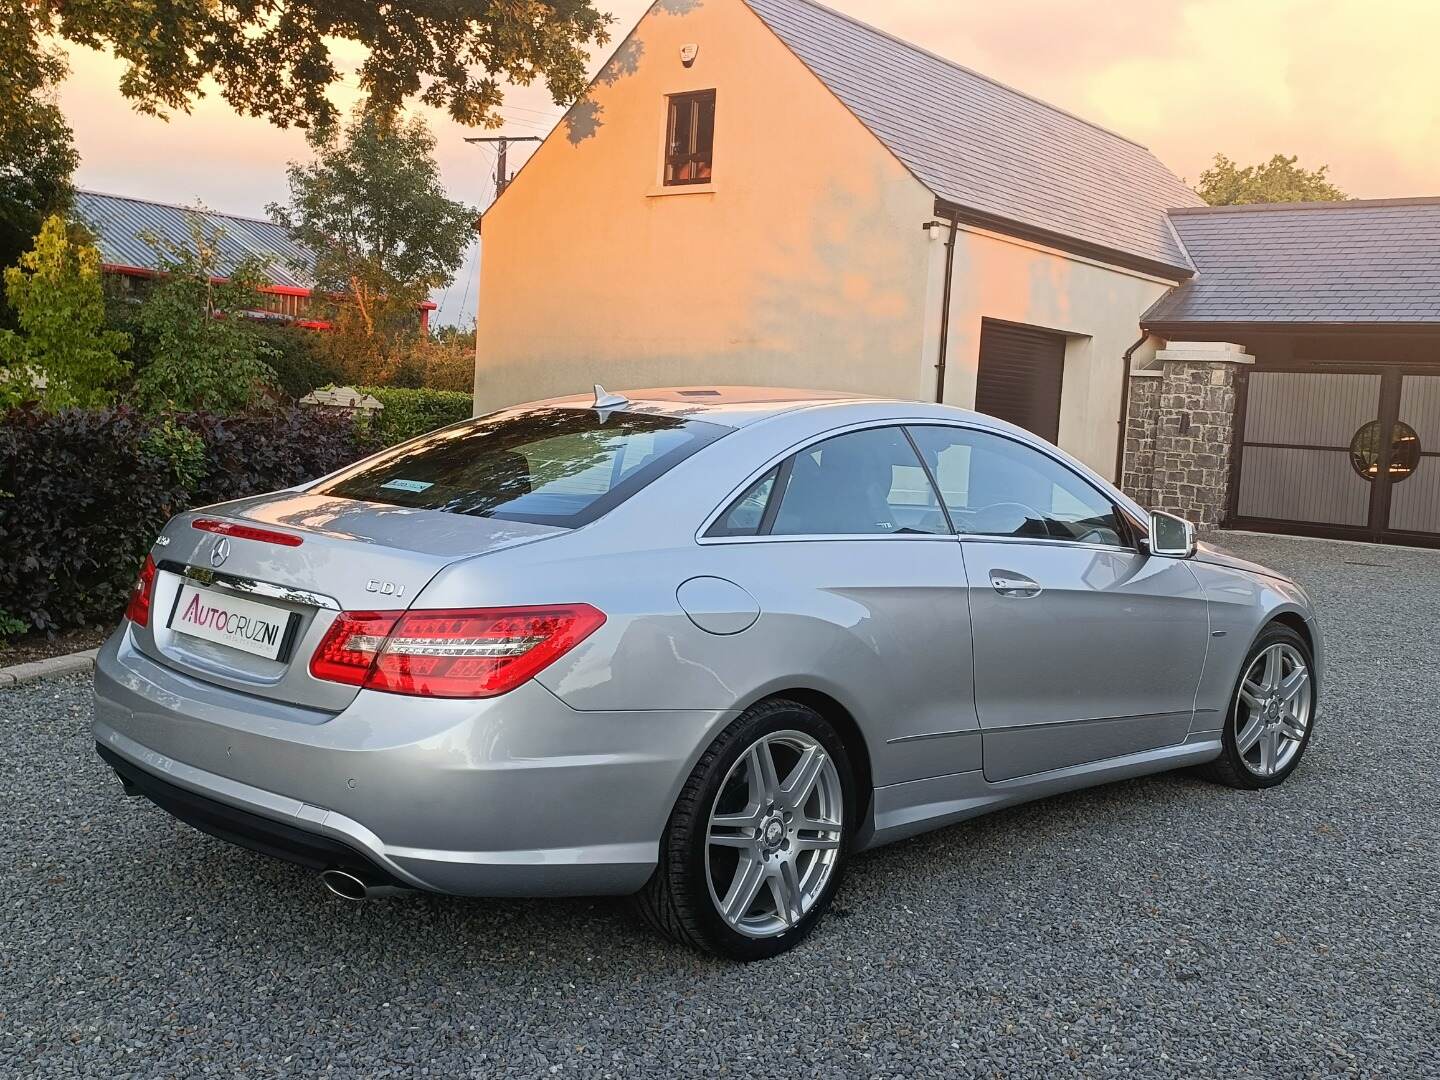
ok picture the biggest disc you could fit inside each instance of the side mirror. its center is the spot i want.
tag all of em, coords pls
(1170, 535)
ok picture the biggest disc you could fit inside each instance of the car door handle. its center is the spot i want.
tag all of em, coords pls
(1009, 583)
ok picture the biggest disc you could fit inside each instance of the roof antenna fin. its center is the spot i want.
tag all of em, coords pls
(606, 400)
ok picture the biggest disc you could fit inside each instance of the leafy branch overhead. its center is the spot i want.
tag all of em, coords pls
(37, 154)
(277, 58)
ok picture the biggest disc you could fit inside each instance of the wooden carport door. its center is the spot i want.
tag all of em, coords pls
(1342, 453)
(1019, 377)
(1414, 465)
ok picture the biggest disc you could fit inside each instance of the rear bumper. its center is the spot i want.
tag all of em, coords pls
(269, 836)
(514, 796)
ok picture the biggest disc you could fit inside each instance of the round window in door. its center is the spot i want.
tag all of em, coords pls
(1404, 451)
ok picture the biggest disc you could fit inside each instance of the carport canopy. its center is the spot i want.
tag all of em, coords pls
(1337, 425)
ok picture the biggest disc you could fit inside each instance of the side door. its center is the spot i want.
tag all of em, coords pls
(1085, 647)
(863, 591)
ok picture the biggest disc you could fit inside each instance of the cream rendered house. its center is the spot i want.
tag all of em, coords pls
(768, 192)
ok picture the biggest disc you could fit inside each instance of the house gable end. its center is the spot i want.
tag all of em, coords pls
(805, 105)
(1001, 157)
(801, 259)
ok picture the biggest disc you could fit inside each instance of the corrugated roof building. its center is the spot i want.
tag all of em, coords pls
(125, 227)
(121, 225)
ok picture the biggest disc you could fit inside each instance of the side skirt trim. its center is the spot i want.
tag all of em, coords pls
(904, 810)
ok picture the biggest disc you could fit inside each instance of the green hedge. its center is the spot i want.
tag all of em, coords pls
(408, 413)
(83, 493)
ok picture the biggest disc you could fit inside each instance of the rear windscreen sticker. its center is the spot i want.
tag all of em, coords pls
(406, 485)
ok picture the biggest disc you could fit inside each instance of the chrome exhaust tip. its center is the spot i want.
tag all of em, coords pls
(343, 884)
(351, 886)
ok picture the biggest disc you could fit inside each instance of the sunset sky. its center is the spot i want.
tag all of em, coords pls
(1349, 83)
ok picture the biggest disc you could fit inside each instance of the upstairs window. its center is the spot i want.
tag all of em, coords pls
(690, 139)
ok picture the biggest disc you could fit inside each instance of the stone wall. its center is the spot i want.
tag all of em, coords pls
(1138, 477)
(1180, 427)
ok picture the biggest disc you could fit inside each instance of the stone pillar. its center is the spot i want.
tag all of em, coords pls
(1138, 477)
(1180, 428)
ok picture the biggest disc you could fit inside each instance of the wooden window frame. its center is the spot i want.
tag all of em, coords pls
(692, 155)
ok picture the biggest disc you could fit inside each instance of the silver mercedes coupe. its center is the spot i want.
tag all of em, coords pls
(700, 645)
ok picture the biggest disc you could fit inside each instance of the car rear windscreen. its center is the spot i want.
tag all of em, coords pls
(561, 467)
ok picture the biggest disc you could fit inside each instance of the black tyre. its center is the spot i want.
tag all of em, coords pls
(1272, 713)
(754, 849)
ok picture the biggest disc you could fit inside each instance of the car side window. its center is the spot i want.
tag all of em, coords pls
(861, 483)
(744, 516)
(994, 486)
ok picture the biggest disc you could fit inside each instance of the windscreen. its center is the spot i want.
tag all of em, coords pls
(561, 467)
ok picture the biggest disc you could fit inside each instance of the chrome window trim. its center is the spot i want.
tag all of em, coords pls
(248, 586)
(1121, 511)
(1047, 541)
(948, 538)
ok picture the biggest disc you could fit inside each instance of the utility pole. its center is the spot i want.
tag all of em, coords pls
(502, 144)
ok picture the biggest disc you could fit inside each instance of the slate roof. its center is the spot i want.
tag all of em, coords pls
(983, 147)
(1366, 261)
(119, 222)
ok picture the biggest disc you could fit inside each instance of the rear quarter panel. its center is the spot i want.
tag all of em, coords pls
(649, 655)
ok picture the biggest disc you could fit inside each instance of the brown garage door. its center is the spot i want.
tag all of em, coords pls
(1019, 379)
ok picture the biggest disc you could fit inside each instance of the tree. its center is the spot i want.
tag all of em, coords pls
(384, 233)
(200, 349)
(276, 58)
(37, 156)
(1278, 180)
(62, 353)
(444, 361)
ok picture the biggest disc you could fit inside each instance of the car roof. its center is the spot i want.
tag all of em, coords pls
(732, 406)
(742, 406)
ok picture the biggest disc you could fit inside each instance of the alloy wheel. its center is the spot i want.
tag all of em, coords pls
(774, 835)
(1272, 710)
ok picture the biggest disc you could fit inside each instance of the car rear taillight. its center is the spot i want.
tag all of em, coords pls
(141, 593)
(350, 646)
(456, 653)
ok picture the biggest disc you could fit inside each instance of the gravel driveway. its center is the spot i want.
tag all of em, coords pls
(1159, 927)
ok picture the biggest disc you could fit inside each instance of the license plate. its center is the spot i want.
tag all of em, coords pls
(258, 629)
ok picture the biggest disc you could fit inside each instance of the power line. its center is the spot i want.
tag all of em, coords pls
(537, 112)
(465, 296)
(529, 125)
(532, 118)
(502, 146)
(525, 121)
